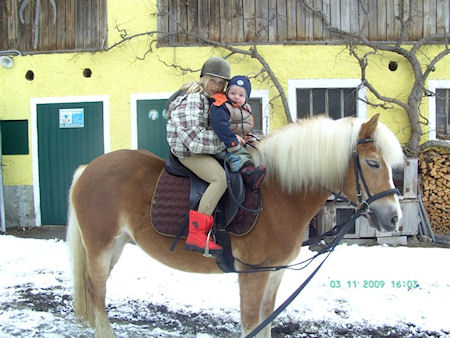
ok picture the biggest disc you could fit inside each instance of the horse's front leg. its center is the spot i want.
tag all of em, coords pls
(268, 303)
(254, 300)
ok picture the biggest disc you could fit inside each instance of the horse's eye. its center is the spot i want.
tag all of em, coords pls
(373, 164)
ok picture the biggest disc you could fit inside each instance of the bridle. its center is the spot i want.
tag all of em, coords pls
(359, 178)
(338, 230)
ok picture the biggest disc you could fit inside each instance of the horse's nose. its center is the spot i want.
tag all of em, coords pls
(394, 221)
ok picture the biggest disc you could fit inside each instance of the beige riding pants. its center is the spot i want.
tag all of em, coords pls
(209, 170)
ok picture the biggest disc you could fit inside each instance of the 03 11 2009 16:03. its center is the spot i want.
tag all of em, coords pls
(374, 284)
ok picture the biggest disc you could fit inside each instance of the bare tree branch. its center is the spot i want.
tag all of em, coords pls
(351, 39)
(131, 37)
(434, 61)
(251, 52)
(419, 90)
(434, 144)
(363, 63)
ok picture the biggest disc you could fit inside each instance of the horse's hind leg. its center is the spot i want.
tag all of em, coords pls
(99, 268)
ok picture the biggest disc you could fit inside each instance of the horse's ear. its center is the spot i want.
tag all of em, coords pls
(369, 127)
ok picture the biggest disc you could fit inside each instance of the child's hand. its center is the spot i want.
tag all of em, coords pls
(250, 138)
(241, 140)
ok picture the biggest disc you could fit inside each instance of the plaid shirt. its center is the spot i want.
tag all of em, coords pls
(188, 130)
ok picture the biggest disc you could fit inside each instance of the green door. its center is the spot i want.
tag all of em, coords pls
(69, 134)
(151, 126)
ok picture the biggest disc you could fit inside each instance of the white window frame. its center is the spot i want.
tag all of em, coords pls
(294, 84)
(433, 85)
(263, 94)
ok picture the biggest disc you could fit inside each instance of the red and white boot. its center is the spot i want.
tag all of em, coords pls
(199, 238)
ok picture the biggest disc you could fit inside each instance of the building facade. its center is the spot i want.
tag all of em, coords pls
(72, 91)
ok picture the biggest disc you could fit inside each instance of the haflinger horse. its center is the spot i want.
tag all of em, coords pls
(110, 202)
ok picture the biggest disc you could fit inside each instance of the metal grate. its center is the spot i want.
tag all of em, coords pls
(333, 102)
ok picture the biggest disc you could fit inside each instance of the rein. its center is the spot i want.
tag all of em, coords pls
(338, 230)
(227, 172)
(255, 211)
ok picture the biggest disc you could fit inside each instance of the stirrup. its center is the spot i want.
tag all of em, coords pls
(206, 252)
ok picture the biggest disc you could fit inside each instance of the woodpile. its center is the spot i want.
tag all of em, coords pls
(435, 173)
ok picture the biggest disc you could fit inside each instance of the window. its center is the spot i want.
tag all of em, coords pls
(333, 102)
(439, 110)
(334, 98)
(259, 102)
(442, 114)
(14, 136)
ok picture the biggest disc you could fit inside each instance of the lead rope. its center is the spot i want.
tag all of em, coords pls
(289, 300)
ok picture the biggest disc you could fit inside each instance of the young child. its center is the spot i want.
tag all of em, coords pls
(231, 119)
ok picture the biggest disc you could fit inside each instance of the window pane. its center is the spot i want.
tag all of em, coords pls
(303, 103)
(349, 102)
(442, 111)
(256, 105)
(334, 103)
(318, 101)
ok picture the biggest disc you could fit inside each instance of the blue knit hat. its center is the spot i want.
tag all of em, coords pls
(241, 81)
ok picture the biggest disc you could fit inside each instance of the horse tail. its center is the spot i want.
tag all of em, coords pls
(82, 303)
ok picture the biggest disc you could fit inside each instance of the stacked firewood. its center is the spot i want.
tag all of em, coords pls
(434, 168)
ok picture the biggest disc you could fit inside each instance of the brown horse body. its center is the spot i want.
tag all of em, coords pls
(110, 204)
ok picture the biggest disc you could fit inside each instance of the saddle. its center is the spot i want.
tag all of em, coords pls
(179, 190)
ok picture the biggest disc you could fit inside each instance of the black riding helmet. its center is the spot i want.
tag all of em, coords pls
(216, 66)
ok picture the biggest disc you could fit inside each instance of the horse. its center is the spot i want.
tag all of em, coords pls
(110, 199)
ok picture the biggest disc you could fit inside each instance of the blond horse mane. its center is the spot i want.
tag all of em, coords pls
(315, 152)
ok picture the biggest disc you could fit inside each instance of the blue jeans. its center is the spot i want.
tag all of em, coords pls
(235, 161)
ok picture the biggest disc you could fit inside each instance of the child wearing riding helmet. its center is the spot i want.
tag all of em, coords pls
(231, 119)
(194, 143)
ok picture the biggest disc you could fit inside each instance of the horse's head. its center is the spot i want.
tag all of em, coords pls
(370, 175)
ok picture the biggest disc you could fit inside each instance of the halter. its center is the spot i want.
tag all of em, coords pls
(338, 230)
(359, 178)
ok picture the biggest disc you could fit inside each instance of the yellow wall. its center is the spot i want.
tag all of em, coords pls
(118, 74)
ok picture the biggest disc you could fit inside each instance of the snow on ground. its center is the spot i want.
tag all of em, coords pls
(359, 291)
